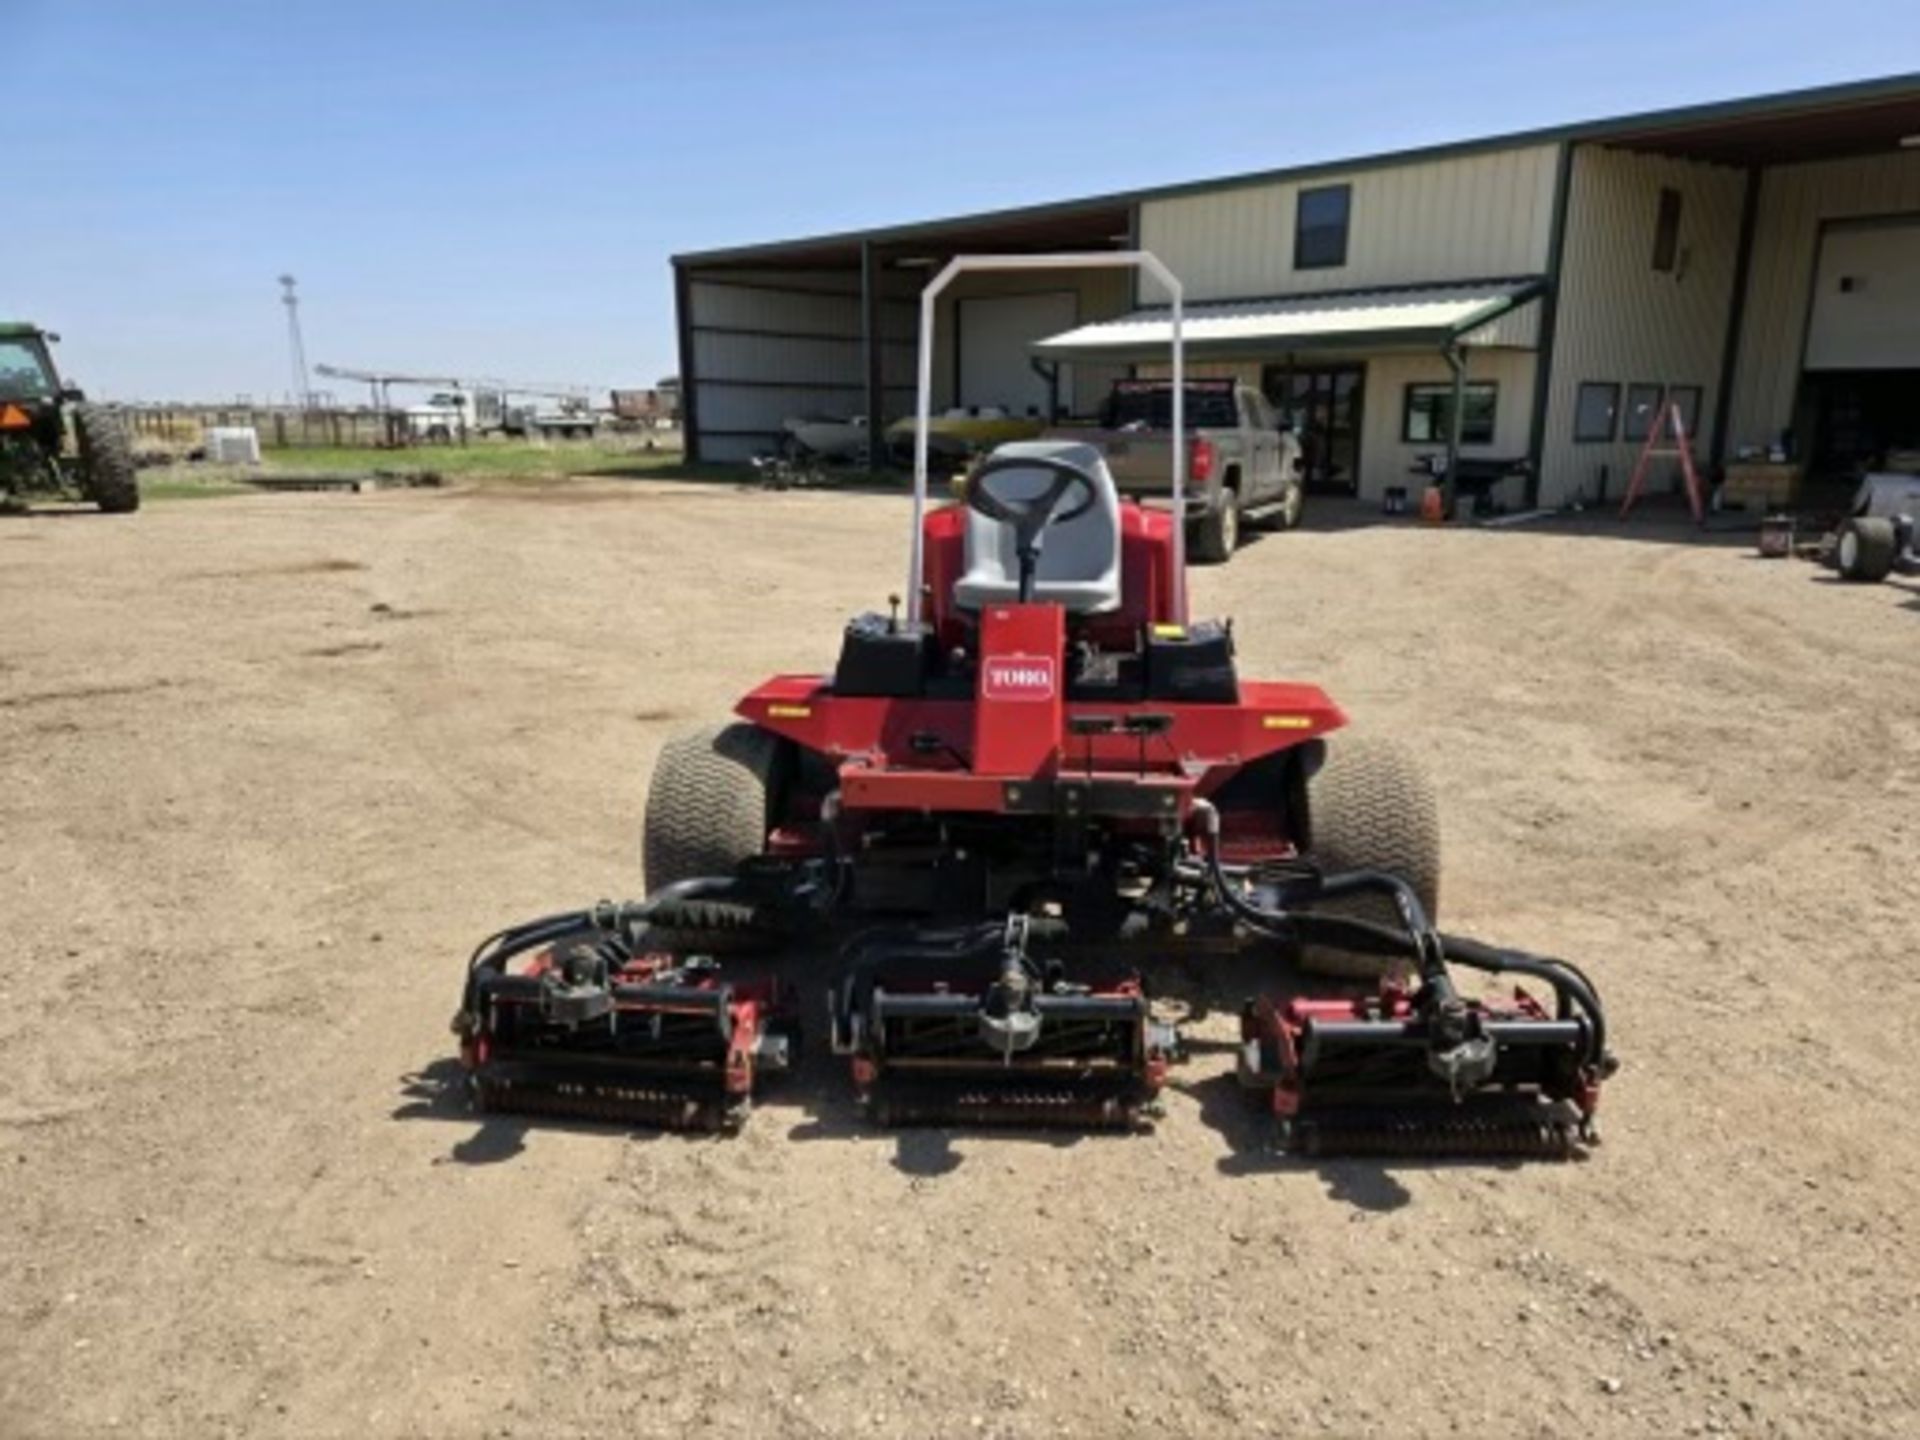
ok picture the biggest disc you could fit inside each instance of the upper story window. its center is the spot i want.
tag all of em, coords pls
(1666, 231)
(1320, 227)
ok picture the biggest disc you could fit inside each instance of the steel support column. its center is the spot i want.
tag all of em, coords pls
(873, 349)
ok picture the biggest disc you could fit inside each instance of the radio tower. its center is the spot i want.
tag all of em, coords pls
(292, 302)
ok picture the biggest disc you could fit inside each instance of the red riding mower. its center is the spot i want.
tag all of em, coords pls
(1000, 811)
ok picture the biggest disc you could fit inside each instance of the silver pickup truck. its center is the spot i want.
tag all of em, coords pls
(1241, 467)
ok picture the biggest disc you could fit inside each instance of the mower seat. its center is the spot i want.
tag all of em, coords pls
(1079, 566)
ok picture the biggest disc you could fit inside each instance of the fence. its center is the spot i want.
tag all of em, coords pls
(277, 426)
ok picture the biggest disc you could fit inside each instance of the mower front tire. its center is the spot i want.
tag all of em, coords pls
(712, 801)
(710, 805)
(107, 474)
(1371, 808)
(1867, 548)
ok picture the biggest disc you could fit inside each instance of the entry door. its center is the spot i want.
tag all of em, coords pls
(1323, 405)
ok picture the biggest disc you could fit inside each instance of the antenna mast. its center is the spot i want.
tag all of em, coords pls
(300, 392)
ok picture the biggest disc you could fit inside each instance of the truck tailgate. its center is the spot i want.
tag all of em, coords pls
(1140, 461)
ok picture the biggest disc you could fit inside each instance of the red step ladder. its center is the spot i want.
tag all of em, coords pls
(1668, 418)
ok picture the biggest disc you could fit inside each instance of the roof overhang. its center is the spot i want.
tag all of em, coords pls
(1428, 318)
(1785, 134)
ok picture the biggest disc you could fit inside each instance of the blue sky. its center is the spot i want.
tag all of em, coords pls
(492, 188)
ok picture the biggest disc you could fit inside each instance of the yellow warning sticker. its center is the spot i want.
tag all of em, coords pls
(1169, 632)
(789, 712)
(1287, 722)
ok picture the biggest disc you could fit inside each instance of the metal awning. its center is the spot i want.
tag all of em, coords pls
(1433, 317)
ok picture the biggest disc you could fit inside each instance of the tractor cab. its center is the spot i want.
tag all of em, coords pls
(38, 456)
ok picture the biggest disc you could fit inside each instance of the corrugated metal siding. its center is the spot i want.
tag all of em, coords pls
(1794, 201)
(1103, 294)
(1470, 217)
(772, 344)
(1621, 320)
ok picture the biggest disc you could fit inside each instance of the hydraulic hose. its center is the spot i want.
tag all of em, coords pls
(1571, 987)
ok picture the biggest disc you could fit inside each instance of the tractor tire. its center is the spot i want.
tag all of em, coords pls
(1218, 534)
(1867, 548)
(107, 473)
(1371, 808)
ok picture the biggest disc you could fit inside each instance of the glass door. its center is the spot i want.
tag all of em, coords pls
(1322, 404)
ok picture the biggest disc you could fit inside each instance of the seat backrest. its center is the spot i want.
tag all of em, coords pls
(1079, 566)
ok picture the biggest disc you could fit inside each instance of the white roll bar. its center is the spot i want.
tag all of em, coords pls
(1073, 260)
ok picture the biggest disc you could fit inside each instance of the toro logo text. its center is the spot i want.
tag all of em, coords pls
(1018, 677)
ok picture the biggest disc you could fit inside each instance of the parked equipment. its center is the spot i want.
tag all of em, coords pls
(52, 442)
(1880, 536)
(1007, 807)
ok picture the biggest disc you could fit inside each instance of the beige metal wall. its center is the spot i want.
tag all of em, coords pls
(1386, 459)
(1103, 294)
(1794, 201)
(1470, 217)
(1620, 320)
(773, 344)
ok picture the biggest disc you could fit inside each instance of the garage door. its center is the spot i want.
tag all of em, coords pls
(1866, 303)
(995, 333)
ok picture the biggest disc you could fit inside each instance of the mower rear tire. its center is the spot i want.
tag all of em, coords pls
(1867, 548)
(107, 473)
(1371, 807)
(1217, 534)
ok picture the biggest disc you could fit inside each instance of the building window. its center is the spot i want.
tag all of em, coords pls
(1643, 405)
(1320, 227)
(1687, 399)
(1666, 231)
(1596, 410)
(1428, 419)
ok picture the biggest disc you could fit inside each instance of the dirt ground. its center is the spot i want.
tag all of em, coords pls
(269, 766)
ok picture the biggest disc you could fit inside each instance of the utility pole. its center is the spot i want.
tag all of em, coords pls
(292, 302)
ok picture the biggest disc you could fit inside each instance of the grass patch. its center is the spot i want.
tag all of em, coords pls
(502, 460)
(210, 489)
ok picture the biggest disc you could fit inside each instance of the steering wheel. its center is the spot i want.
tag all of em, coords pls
(1029, 517)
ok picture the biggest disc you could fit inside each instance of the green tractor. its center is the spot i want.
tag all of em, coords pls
(52, 442)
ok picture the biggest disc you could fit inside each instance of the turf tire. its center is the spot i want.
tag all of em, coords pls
(1867, 548)
(1371, 808)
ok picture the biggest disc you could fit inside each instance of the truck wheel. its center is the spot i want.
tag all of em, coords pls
(107, 474)
(1293, 504)
(1218, 532)
(1371, 808)
(1867, 548)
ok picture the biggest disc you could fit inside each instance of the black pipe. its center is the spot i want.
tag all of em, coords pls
(1368, 938)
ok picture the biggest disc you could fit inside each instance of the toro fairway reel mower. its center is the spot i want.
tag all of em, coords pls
(1000, 815)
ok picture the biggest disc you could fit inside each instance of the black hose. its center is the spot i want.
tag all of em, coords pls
(1567, 980)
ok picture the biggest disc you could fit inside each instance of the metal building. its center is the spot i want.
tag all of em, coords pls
(1756, 263)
